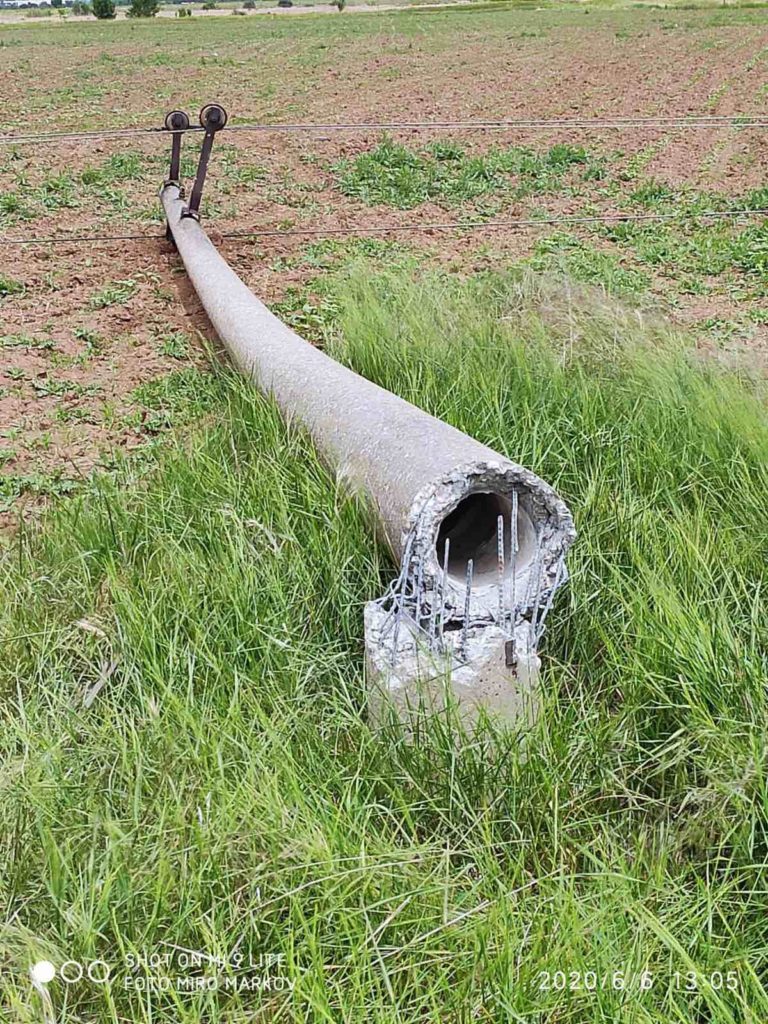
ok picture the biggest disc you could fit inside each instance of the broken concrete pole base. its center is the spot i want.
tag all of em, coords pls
(407, 675)
(481, 563)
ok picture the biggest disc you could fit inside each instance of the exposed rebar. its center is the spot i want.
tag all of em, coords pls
(467, 608)
(500, 560)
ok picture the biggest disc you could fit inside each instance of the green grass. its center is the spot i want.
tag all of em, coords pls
(684, 254)
(174, 344)
(222, 791)
(57, 192)
(15, 485)
(93, 342)
(120, 167)
(579, 261)
(394, 175)
(26, 341)
(697, 248)
(117, 293)
(10, 286)
(13, 207)
(36, 199)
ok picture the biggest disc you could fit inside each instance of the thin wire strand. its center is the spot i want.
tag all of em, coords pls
(78, 239)
(520, 223)
(83, 136)
(516, 223)
(509, 124)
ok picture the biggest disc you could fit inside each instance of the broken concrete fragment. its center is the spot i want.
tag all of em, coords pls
(421, 681)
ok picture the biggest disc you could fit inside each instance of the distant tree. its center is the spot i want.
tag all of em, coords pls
(249, 5)
(184, 12)
(57, 3)
(81, 7)
(143, 9)
(104, 9)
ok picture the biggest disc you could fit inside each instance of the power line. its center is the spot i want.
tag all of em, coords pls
(75, 239)
(518, 223)
(692, 121)
(99, 133)
(523, 124)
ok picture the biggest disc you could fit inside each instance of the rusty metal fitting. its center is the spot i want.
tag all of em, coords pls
(213, 117)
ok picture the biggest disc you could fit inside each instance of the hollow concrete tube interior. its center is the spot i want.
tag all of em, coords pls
(425, 481)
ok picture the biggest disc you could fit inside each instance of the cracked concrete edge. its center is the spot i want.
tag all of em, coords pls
(546, 510)
(421, 682)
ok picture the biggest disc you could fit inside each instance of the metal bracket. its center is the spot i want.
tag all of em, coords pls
(213, 117)
(177, 122)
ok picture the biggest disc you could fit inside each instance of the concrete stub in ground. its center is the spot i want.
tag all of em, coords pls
(420, 681)
(481, 541)
(480, 566)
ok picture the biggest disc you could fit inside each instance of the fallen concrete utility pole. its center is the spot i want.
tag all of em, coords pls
(481, 541)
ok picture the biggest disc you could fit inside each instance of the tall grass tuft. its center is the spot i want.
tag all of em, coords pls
(221, 792)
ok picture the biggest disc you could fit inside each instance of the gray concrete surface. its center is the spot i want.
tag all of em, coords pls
(424, 480)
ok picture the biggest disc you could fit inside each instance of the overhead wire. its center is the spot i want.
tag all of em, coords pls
(516, 223)
(521, 223)
(672, 121)
(655, 121)
(74, 239)
(511, 124)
